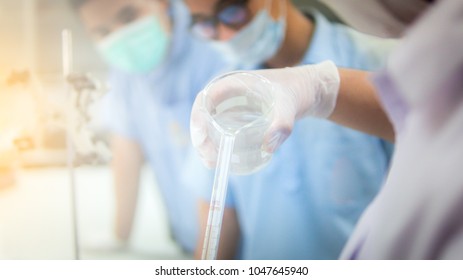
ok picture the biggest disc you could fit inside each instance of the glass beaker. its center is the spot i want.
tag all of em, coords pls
(242, 106)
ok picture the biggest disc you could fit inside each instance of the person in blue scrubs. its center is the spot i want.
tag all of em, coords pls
(157, 70)
(306, 202)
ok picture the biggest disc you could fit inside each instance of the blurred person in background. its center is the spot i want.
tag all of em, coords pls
(306, 202)
(156, 70)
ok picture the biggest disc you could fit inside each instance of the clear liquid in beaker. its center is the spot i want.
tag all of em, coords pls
(248, 120)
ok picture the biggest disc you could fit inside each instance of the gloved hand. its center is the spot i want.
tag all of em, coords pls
(309, 90)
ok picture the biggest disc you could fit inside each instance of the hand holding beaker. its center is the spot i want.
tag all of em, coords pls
(241, 106)
(261, 108)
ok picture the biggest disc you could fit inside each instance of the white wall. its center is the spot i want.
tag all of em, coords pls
(30, 37)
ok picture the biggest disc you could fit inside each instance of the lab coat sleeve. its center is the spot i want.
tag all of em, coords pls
(418, 213)
(384, 18)
(351, 48)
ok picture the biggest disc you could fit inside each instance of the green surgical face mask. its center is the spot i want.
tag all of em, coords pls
(137, 48)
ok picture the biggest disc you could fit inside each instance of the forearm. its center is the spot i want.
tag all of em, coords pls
(126, 166)
(203, 209)
(358, 106)
(229, 236)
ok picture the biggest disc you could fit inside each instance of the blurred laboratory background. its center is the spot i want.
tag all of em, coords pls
(49, 210)
(38, 219)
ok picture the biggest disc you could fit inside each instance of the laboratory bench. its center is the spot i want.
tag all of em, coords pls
(36, 217)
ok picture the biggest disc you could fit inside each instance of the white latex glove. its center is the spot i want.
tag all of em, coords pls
(309, 90)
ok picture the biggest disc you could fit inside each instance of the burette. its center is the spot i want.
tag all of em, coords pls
(219, 192)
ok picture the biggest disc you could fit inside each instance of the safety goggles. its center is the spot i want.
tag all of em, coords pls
(231, 13)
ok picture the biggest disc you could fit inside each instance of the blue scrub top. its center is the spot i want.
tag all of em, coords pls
(154, 110)
(306, 202)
